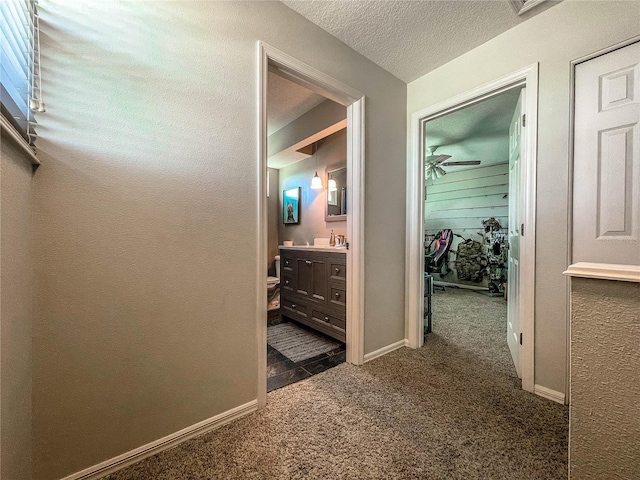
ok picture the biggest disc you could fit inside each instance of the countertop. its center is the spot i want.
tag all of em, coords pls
(318, 248)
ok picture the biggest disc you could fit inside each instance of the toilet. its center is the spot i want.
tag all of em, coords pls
(273, 290)
(273, 281)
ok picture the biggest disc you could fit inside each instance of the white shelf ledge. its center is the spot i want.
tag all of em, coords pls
(604, 271)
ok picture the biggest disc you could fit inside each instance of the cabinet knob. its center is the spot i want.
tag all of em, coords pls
(337, 270)
(337, 295)
(308, 262)
(286, 282)
(286, 262)
(326, 319)
(293, 305)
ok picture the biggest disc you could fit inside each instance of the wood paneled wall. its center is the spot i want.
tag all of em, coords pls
(462, 200)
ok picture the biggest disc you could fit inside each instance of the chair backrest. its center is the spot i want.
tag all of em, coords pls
(443, 242)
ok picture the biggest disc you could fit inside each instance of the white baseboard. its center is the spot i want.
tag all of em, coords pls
(441, 283)
(384, 350)
(549, 394)
(121, 461)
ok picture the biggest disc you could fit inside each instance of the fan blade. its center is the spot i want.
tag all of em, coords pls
(466, 162)
(441, 158)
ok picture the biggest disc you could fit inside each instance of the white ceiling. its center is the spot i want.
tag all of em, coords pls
(481, 119)
(411, 38)
(287, 101)
(478, 132)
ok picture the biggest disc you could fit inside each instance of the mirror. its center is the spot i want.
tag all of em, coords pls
(336, 207)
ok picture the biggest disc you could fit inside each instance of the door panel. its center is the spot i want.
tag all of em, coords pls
(606, 179)
(515, 222)
(304, 275)
(319, 280)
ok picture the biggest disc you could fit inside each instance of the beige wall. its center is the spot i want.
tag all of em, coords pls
(273, 214)
(331, 153)
(16, 312)
(605, 380)
(554, 38)
(145, 216)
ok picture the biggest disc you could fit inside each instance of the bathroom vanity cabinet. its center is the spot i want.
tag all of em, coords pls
(313, 289)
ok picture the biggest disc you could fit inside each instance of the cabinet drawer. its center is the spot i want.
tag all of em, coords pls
(293, 308)
(329, 319)
(338, 298)
(287, 263)
(287, 283)
(337, 270)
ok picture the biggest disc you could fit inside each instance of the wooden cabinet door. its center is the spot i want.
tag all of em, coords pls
(304, 276)
(311, 277)
(319, 279)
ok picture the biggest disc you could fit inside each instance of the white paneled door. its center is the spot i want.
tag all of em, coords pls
(515, 222)
(606, 179)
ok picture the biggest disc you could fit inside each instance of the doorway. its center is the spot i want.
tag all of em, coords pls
(521, 170)
(271, 59)
(471, 228)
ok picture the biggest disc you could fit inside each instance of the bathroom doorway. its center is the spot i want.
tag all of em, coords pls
(306, 222)
(316, 318)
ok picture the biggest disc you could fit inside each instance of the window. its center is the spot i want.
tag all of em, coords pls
(20, 93)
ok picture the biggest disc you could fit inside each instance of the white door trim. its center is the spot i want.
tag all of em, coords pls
(288, 66)
(415, 211)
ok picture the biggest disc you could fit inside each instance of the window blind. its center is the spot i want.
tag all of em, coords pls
(20, 91)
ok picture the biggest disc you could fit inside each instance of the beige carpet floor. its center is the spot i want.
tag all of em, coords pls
(451, 410)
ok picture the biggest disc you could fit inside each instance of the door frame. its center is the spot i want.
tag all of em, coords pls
(270, 58)
(414, 281)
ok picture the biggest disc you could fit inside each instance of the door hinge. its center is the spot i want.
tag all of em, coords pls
(522, 229)
(520, 338)
(524, 120)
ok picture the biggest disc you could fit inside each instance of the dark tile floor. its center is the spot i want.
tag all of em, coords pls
(282, 371)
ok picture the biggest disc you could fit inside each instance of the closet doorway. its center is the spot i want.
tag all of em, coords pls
(471, 223)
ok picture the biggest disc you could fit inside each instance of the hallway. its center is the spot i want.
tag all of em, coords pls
(448, 410)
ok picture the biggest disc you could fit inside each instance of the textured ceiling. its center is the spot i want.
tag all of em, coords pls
(286, 101)
(411, 38)
(478, 132)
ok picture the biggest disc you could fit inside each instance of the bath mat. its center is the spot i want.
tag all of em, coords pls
(298, 344)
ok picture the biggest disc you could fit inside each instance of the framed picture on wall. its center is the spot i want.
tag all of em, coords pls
(291, 206)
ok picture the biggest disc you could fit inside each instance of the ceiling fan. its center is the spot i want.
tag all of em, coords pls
(434, 163)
